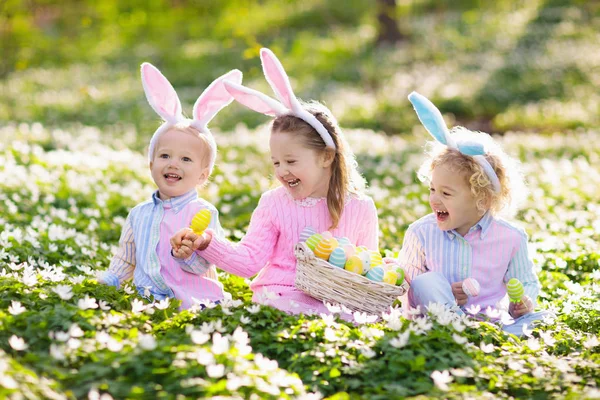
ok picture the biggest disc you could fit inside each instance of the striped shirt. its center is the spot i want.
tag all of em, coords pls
(492, 252)
(145, 251)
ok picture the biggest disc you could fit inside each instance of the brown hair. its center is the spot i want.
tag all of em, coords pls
(343, 166)
(509, 176)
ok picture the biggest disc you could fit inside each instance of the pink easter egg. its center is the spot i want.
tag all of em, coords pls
(471, 287)
(349, 249)
(327, 235)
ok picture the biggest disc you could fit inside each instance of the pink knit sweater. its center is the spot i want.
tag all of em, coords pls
(268, 247)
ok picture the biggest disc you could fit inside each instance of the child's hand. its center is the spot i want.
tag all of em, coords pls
(525, 306)
(185, 242)
(459, 294)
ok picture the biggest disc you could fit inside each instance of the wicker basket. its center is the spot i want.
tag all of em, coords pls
(323, 281)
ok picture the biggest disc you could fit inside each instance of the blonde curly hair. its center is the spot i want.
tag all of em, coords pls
(512, 185)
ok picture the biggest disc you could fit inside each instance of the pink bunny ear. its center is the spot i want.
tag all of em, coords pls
(255, 100)
(278, 79)
(215, 98)
(160, 93)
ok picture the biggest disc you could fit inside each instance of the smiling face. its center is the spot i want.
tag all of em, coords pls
(451, 200)
(180, 163)
(304, 172)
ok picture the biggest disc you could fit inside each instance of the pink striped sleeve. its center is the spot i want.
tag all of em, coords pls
(255, 249)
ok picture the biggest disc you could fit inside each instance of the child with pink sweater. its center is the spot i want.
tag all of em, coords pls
(320, 188)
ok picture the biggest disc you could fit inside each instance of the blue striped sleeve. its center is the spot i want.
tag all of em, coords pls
(412, 255)
(123, 263)
(521, 267)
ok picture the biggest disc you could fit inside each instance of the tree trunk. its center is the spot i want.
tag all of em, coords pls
(387, 28)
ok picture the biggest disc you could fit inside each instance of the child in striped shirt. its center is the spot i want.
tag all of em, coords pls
(320, 188)
(471, 180)
(181, 157)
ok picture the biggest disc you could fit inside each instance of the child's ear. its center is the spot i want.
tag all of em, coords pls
(328, 157)
(204, 176)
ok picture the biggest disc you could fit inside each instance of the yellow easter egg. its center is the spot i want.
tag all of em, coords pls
(324, 249)
(390, 277)
(354, 264)
(200, 221)
(376, 258)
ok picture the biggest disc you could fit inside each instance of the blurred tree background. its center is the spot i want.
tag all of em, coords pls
(495, 66)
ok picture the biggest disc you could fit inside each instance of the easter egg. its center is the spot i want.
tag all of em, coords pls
(338, 257)
(360, 249)
(313, 241)
(376, 258)
(375, 274)
(400, 273)
(324, 249)
(471, 287)
(390, 277)
(354, 264)
(515, 290)
(200, 221)
(306, 233)
(350, 250)
(344, 241)
(365, 257)
(327, 235)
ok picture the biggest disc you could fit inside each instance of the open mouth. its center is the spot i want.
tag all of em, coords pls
(441, 215)
(172, 177)
(293, 182)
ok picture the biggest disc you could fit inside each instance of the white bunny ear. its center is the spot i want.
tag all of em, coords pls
(160, 94)
(255, 100)
(278, 79)
(214, 98)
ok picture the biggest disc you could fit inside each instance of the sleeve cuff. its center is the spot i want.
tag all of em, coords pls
(215, 250)
(110, 279)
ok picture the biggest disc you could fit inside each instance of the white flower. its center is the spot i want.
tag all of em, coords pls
(16, 308)
(333, 308)
(368, 352)
(63, 291)
(17, 343)
(146, 342)
(57, 352)
(245, 320)
(75, 331)
(492, 313)
(459, 339)
(215, 371)
(62, 336)
(441, 379)
(533, 344)
(401, 340)
(114, 345)
(330, 335)
(137, 306)
(163, 304)
(199, 337)
(128, 289)
(253, 309)
(527, 332)
(591, 342)
(473, 309)
(220, 344)
(548, 338)
(104, 305)
(86, 303)
(486, 348)
(364, 318)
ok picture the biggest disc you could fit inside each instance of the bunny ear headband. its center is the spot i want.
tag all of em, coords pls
(432, 120)
(164, 100)
(288, 104)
